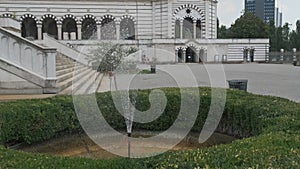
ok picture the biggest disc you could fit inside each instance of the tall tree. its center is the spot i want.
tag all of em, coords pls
(295, 37)
(273, 36)
(249, 26)
(286, 37)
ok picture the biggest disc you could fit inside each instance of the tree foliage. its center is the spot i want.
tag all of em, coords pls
(248, 26)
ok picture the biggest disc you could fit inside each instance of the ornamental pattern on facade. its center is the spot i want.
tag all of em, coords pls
(189, 21)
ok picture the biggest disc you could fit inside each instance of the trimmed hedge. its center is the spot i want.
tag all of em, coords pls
(32, 121)
(273, 125)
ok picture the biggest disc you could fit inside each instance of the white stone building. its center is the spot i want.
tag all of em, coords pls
(185, 28)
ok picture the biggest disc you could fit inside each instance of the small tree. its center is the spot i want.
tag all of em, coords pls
(108, 56)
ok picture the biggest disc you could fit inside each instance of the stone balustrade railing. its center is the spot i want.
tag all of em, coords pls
(79, 57)
(28, 60)
(10, 23)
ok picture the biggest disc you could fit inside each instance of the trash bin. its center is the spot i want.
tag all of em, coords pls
(153, 68)
(238, 84)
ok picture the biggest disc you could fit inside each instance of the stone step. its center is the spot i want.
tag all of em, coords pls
(66, 70)
(61, 67)
(70, 74)
(83, 85)
(68, 82)
(58, 63)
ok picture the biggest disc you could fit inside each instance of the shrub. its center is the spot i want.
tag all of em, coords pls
(269, 126)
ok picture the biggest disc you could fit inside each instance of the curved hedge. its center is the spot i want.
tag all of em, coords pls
(273, 125)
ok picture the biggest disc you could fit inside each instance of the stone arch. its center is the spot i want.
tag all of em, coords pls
(191, 45)
(29, 26)
(69, 27)
(108, 27)
(89, 27)
(127, 27)
(191, 6)
(195, 13)
(49, 16)
(49, 25)
(8, 15)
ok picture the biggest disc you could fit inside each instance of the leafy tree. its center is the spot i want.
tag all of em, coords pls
(223, 32)
(273, 36)
(249, 26)
(286, 37)
(295, 37)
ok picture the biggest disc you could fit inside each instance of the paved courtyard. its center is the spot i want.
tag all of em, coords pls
(266, 79)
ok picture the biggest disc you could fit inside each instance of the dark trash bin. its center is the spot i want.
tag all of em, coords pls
(238, 84)
(153, 68)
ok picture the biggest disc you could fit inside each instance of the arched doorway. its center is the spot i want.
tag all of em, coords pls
(127, 29)
(29, 28)
(49, 26)
(69, 26)
(108, 29)
(180, 55)
(190, 55)
(188, 28)
(89, 29)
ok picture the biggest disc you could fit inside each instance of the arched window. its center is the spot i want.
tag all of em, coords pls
(89, 29)
(188, 28)
(177, 29)
(69, 29)
(127, 29)
(108, 29)
(29, 28)
(49, 26)
(198, 29)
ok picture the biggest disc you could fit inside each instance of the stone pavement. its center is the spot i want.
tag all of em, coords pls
(266, 79)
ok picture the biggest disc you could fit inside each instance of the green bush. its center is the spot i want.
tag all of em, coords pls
(269, 126)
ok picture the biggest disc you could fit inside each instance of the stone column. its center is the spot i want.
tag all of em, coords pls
(281, 55)
(184, 56)
(294, 56)
(99, 32)
(197, 55)
(79, 32)
(176, 56)
(59, 31)
(40, 32)
(181, 29)
(248, 55)
(118, 30)
(195, 29)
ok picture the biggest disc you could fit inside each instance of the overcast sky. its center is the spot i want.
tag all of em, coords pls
(230, 10)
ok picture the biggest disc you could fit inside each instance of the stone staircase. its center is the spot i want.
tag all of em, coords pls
(76, 78)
